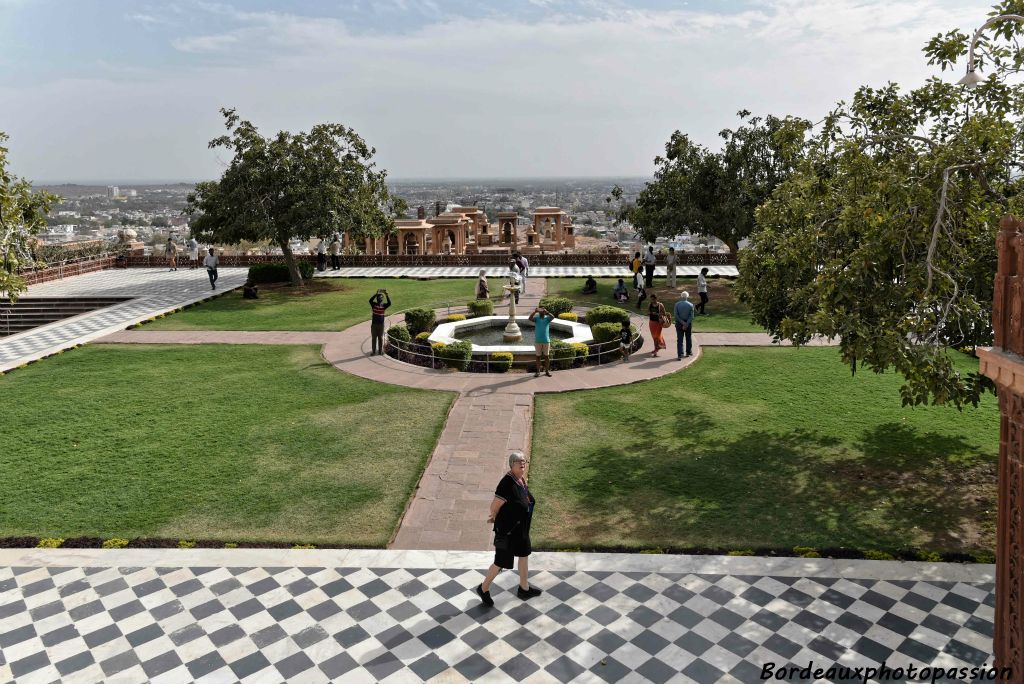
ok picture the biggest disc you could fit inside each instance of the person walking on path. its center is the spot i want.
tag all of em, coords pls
(702, 290)
(511, 514)
(541, 319)
(670, 266)
(335, 254)
(649, 262)
(172, 255)
(379, 303)
(683, 313)
(482, 291)
(193, 253)
(321, 256)
(658, 318)
(515, 281)
(211, 262)
(524, 267)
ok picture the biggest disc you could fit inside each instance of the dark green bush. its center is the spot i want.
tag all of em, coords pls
(556, 305)
(481, 307)
(277, 272)
(562, 355)
(501, 362)
(606, 332)
(456, 354)
(399, 333)
(607, 314)
(419, 320)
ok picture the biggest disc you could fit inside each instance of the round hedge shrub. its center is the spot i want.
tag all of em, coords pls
(562, 355)
(456, 354)
(500, 362)
(422, 337)
(399, 333)
(480, 307)
(419, 320)
(277, 272)
(582, 351)
(569, 316)
(605, 332)
(607, 314)
(452, 318)
(556, 305)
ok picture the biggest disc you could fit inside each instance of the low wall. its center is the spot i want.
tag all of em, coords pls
(68, 268)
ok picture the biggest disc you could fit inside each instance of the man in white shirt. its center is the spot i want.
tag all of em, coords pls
(524, 266)
(211, 262)
(514, 281)
(193, 253)
(649, 261)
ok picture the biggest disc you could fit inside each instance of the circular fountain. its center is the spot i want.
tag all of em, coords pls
(512, 331)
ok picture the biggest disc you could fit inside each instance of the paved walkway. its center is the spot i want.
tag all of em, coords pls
(263, 615)
(153, 291)
(498, 271)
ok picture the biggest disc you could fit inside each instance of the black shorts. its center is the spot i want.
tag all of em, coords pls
(519, 547)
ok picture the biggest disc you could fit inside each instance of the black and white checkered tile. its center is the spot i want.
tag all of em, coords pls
(314, 624)
(498, 271)
(154, 291)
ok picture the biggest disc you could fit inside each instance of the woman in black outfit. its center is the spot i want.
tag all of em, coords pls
(511, 513)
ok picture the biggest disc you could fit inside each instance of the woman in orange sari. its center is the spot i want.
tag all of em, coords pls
(656, 314)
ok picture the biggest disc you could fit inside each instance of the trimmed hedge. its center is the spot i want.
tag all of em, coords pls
(277, 272)
(453, 318)
(582, 351)
(400, 333)
(562, 355)
(569, 316)
(607, 314)
(480, 307)
(456, 354)
(556, 305)
(606, 332)
(422, 337)
(419, 320)
(501, 362)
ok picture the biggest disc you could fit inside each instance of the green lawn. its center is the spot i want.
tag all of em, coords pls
(763, 447)
(324, 304)
(727, 314)
(233, 443)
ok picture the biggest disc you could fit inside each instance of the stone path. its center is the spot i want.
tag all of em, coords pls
(265, 615)
(498, 271)
(153, 291)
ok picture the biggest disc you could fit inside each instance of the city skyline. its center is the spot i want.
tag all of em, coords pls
(443, 90)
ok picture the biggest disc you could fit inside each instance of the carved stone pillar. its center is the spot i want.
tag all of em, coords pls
(1004, 363)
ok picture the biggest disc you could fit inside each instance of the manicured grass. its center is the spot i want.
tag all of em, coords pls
(235, 443)
(324, 304)
(763, 447)
(727, 314)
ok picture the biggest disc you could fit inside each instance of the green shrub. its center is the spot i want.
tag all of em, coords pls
(422, 337)
(569, 316)
(872, 554)
(456, 354)
(582, 351)
(419, 320)
(984, 557)
(607, 314)
(806, 552)
(481, 307)
(562, 355)
(556, 305)
(186, 544)
(115, 543)
(230, 545)
(399, 333)
(501, 362)
(49, 543)
(606, 332)
(454, 318)
(929, 556)
(298, 547)
(277, 272)
(742, 552)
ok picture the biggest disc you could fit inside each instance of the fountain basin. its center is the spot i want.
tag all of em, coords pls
(449, 333)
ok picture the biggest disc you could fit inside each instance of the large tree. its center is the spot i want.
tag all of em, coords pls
(292, 186)
(715, 193)
(22, 215)
(884, 234)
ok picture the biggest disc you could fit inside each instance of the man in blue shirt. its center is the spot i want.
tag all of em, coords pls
(683, 315)
(541, 319)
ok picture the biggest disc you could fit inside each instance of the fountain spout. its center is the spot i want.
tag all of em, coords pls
(512, 331)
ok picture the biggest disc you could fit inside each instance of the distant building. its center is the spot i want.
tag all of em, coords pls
(113, 191)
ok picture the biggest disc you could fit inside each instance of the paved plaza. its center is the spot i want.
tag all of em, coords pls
(258, 615)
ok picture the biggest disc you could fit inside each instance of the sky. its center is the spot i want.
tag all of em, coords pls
(94, 90)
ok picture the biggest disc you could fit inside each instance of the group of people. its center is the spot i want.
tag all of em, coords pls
(211, 261)
(334, 247)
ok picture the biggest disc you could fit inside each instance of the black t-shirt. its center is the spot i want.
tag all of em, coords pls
(515, 514)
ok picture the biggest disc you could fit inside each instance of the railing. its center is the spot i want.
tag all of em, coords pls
(67, 267)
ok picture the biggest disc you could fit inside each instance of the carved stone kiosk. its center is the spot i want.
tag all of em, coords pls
(1004, 363)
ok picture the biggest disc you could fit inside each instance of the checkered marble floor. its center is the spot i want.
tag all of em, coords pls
(154, 291)
(214, 616)
(497, 271)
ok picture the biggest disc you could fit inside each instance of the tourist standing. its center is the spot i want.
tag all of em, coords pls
(379, 303)
(482, 291)
(511, 514)
(649, 262)
(634, 266)
(683, 313)
(670, 266)
(336, 254)
(321, 256)
(641, 292)
(172, 255)
(211, 262)
(541, 319)
(514, 281)
(657, 319)
(193, 253)
(702, 290)
(524, 267)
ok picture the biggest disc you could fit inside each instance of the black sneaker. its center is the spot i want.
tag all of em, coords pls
(485, 596)
(527, 594)
(547, 373)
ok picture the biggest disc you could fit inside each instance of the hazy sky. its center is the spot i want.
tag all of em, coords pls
(113, 89)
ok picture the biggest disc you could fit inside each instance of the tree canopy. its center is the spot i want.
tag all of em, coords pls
(22, 215)
(705, 192)
(292, 186)
(883, 235)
